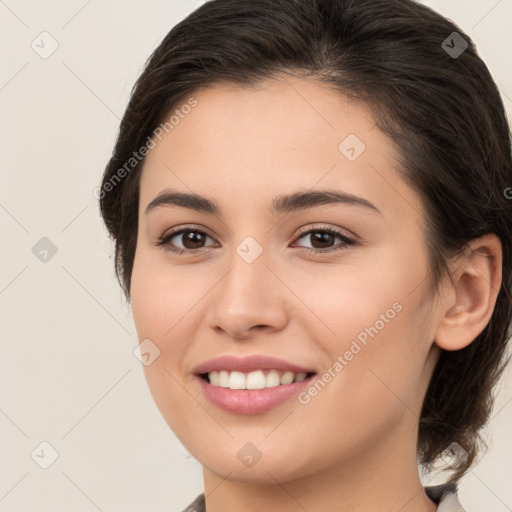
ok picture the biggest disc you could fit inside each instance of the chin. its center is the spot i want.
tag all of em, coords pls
(268, 469)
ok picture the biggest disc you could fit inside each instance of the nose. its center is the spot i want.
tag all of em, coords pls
(250, 298)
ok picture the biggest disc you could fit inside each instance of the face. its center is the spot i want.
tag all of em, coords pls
(334, 284)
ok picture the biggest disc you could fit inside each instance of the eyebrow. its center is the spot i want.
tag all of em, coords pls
(281, 204)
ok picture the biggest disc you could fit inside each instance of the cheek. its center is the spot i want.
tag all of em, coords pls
(370, 388)
(371, 325)
(159, 304)
(160, 298)
(348, 301)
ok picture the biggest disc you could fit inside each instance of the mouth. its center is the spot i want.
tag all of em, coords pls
(254, 380)
(245, 394)
(252, 384)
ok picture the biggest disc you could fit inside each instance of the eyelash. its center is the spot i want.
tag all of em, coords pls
(164, 240)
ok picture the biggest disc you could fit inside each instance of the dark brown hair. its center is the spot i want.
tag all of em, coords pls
(430, 92)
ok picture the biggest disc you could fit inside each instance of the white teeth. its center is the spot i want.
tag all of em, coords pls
(287, 378)
(237, 380)
(214, 378)
(272, 379)
(223, 379)
(253, 380)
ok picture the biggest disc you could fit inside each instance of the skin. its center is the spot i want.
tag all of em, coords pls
(353, 446)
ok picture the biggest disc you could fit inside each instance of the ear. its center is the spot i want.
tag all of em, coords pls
(469, 301)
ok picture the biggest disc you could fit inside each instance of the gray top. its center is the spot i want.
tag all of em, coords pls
(444, 495)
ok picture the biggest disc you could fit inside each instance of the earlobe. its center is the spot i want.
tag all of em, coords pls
(474, 291)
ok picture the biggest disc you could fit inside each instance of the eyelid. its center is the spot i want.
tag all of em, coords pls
(325, 227)
(185, 227)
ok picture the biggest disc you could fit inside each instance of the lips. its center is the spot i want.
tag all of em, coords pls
(250, 401)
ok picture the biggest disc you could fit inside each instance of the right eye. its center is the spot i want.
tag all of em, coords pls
(190, 237)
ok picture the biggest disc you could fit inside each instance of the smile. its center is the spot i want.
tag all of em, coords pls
(252, 384)
(259, 379)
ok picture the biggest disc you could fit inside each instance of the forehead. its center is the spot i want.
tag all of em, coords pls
(251, 144)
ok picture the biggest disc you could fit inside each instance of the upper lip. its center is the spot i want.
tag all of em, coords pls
(249, 364)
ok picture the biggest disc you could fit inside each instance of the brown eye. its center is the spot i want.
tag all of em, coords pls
(191, 239)
(322, 239)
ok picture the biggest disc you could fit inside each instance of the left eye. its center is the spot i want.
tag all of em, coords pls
(323, 237)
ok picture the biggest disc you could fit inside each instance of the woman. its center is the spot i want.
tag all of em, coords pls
(308, 200)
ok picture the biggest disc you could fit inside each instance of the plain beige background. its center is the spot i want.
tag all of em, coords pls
(68, 375)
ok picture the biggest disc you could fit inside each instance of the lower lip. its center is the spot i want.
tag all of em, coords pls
(251, 401)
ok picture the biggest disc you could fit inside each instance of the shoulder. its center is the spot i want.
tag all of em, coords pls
(198, 505)
(445, 496)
